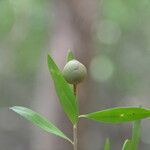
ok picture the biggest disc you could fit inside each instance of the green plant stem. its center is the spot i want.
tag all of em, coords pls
(75, 89)
(75, 139)
(136, 134)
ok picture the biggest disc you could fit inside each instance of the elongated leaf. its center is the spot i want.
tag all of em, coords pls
(67, 99)
(127, 145)
(119, 115)
(136, 134)
(107, 145)
(70, 56)
(38, 120)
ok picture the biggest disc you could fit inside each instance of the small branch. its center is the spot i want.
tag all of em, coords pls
(75, 139)
(70, 141)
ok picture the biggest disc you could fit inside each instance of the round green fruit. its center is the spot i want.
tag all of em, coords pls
(74, 72)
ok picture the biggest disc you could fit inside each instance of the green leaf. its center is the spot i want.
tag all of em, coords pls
(127, 145)
(65, 93)
(136, 134)
(107, 144)
(118, 115)
(38, 120)
(70, 56)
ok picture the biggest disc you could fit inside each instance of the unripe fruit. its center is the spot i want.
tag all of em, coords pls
(74, 72)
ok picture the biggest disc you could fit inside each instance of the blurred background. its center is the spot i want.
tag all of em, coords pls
(112, 38)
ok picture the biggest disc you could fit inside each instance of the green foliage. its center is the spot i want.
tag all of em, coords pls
(119, 115)
(107, 144)
(70, 106)
(38, 120)
(64, 92)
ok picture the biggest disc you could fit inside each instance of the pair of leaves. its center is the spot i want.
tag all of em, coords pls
(133, 143)
(49, 127)
(129, 144)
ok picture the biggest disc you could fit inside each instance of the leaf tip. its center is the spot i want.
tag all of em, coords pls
(107, 144)
(69, 50)
(16, 108)
(12, 108)
(70, 55)
(48, 56)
